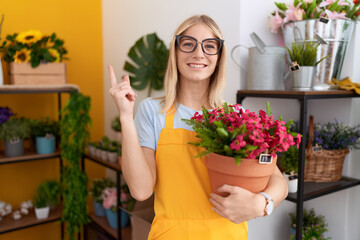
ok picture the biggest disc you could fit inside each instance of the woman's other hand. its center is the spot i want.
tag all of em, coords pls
(241, 205)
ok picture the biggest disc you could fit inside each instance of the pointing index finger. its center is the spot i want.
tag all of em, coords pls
(112, 76)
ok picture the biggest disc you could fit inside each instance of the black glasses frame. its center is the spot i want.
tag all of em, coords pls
(202, 46)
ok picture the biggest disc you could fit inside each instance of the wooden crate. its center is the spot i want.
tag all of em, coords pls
(44, 74)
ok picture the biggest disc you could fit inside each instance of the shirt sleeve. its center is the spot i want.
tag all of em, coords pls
(144, 124)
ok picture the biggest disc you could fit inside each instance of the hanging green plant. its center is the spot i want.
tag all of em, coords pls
(74, 128)
(150, 57)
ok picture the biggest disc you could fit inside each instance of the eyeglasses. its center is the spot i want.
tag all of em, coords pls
(188, 44)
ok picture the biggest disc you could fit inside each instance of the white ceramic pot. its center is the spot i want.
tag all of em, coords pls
(103, 155)
(292, 181)
(112, 157)
(42, 213)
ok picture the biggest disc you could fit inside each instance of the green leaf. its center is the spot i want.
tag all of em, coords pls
(149, 56)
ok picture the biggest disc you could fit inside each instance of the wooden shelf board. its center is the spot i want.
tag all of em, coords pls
(38, 88)
(28, 156)
(115, 166)
(8, 224)
(103, 223)
(313, 190)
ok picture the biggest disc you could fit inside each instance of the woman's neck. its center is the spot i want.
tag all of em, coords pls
(194, 94)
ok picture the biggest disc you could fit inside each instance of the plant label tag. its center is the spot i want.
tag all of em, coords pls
(293, 177)
(317, 148)
(294, 67)
(265, 159)
(324, 20)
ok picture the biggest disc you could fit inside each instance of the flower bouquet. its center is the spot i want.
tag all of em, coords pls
(247, 140)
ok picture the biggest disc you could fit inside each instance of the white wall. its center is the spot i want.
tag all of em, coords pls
(126, 21)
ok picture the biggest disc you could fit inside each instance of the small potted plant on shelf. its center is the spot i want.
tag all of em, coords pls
(96, 189)
(116, 126)
(303, 64)
(5, 114)
(113, 151)
(289, 162)
(238, 142)
(13, 132)
(314, 226)
(40, 202)
(109, 197)
(45, 132)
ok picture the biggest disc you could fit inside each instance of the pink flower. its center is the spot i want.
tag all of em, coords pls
(294, 13)
(329, 2)
(275, 22)
(238, 143)
(109, 198)
(336, 15)
(298, 140)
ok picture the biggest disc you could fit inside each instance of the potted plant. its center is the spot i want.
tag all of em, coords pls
(13, 132)
(34, 53)
(328, 146)
(96, 189)
(52, 190)
(150, 56)
(104, 147)
(238, 142)
(303, 64)
(289, 161)
(45, 132)
(116, 126)
(40, 202)
(303, 20)
(113, 151)
(109, 197)
(314, 226)
(92, 148)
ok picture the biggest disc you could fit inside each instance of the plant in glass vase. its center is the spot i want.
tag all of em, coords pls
(246, 140)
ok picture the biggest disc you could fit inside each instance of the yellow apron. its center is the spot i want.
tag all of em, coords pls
(182, 207)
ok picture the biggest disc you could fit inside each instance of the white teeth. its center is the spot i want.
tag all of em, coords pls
(197, 65)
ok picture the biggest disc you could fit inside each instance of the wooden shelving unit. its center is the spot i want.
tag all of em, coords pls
(306, 190)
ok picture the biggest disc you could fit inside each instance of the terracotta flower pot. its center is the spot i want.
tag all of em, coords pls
(250, 174)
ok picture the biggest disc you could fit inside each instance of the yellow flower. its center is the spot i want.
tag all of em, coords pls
(55, 54)
(30, 36)
(22, 56)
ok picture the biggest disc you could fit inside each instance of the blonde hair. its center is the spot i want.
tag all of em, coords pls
(171, 80)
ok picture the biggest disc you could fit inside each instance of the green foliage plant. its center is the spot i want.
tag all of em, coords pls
(305, 53)
(44, 127)
(14, 128)
(115, 124)
(289, 159)
(149, 55)
(40, 200)
(314, 226)
(74, 129)
(52, 190)
(97, 187)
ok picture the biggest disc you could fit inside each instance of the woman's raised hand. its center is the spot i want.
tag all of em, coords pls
(122, 94)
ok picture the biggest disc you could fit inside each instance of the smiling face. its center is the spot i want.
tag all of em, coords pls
(196, 66)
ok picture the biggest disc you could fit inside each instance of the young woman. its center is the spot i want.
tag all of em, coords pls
(156, 156)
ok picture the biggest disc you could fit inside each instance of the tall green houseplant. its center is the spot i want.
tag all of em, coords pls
(149, 55)
(74, 128)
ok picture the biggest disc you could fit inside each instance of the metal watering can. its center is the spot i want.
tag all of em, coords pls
(266, 65)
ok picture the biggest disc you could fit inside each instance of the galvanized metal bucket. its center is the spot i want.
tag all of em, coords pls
(337, 33)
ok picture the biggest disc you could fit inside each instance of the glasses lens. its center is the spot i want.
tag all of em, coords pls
(211, 46)
(187, 44)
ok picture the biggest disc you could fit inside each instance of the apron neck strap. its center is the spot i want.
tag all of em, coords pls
(169, 119)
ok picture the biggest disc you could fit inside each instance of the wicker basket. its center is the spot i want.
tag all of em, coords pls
(324, 165)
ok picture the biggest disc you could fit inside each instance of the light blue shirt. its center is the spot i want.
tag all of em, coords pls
(149, 122)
